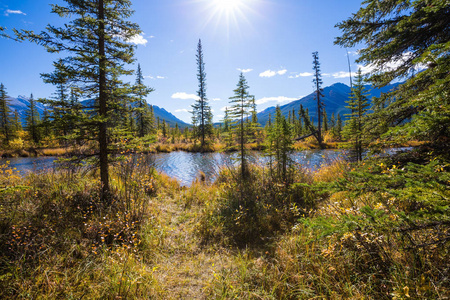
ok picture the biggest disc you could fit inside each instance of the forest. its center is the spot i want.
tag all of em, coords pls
(106, 224)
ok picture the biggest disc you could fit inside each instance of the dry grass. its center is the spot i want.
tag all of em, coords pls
(331, 171)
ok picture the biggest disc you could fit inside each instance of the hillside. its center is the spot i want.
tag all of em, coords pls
(21, 103)
(334, 100)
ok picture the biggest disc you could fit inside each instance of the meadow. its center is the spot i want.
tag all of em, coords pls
(378, 229)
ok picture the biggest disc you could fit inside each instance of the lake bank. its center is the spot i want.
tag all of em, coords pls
(168, 147)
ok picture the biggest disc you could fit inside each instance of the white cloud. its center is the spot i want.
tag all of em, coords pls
(304, 74)
(182, 110)
(153, 77)
(185, 96)
(138, 40)
(216, 99)
(14, 12)
(341, 74)
(224, 108)
(270, 73)
(245, 70)
(279, 99)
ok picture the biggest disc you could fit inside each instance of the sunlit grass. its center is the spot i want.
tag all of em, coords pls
(332, 234)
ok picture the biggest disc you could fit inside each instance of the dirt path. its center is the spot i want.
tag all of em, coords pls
(184, 269)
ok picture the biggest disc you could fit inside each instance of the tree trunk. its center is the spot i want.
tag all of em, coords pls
(102, 135)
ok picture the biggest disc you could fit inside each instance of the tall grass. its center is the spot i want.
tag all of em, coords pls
(375, 230)
(246, 212)
(57, 239)
(382, 233)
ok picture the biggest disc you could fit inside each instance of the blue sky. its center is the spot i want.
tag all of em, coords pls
(270, 40)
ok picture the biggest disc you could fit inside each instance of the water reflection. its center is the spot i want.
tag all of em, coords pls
(185, 166)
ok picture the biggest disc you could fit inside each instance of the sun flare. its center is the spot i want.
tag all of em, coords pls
(227, 5)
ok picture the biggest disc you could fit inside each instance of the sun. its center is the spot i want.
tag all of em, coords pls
(228, 18)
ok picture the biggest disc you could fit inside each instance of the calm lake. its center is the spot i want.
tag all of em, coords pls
(185, 166)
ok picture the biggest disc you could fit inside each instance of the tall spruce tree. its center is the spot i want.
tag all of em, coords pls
(407, 41)
(59, 114)
(145, 124)
(17, 125)
(95, 38)
(6, 120)
(32, 120)
(240, 110)
(201, 111)
(358, 105)
(280, 145)
(317, 80)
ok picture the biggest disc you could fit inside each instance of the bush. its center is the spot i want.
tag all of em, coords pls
(249, 211)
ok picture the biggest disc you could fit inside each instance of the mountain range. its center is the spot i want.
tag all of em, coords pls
(334, 100)
(21, 103)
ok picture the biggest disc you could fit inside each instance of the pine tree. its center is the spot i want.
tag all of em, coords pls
(144, 117)
(6, 121)
(317, 80)
(164, 128)
(58, 116)
(325, 121)
(201, 111)
(32, 121)
(333, 125)
(17, 125)
(280, 145)
(95, 36)
(358, 104)
(339, 127)
(405, 40)
(152, 124)
(240, 111)
(46, 125)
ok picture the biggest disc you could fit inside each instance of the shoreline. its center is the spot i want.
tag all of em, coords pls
(167, 148)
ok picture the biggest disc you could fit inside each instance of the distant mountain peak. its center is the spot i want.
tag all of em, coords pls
(335, 97)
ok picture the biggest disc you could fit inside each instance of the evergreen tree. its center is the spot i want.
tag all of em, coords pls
(164, 128)
(60, 114)
(358, 104)
(6, 121)
(226, 120)
(152, 120)
(17, 125)
(201, 111)
(317, 80)
(143, 114)
(240, 111)
(339, 126)
(46, 125)
(333, 125)
(252, 122)
(325, 121)
(95, 36)
(32, 121)
(405, 40)
(280, 145)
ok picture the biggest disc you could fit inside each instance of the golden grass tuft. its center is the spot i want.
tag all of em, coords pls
(331, 171)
